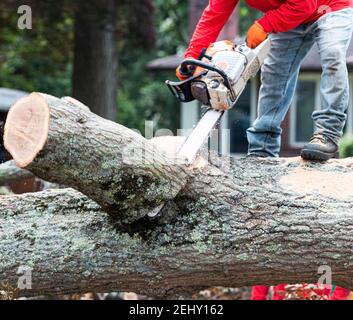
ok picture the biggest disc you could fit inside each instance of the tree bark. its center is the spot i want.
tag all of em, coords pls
(240, 228)
(227, 223)
(95, 61)
(61, 141)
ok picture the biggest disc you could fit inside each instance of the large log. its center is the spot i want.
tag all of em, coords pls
(251, 221)
(265, 222)
(61, 141)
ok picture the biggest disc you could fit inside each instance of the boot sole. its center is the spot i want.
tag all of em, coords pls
(316, 155)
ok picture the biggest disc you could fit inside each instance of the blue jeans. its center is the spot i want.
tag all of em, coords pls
(332, 33)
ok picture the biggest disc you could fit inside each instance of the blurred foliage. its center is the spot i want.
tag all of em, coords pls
(41, 59)
(346, 146)
(172, 26)
(135, 24)
(247, 17)
(143, 95)
(37, 59)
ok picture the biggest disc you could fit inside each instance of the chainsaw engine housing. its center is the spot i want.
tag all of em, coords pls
(221, 75)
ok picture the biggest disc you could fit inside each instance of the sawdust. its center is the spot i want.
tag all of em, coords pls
(306, 180)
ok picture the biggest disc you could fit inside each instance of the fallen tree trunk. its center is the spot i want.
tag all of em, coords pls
(61, 141)
(9, 172)
(254, 221)
(254, 227)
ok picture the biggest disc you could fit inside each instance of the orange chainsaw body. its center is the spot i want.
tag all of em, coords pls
(225, 45)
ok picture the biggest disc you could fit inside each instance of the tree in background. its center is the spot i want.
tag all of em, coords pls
(79, 38)
(95, 56)
(142, 94)
(71, 51)
(38, 59)
(101, 28)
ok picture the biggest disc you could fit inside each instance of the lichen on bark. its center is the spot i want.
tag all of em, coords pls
(251, 221)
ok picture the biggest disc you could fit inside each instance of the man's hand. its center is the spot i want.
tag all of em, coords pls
(184, 73)
(256, 35)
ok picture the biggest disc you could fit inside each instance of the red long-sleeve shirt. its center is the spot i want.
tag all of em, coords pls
(280, 16)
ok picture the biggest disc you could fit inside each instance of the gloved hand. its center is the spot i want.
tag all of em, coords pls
(256, 35)
(184, 73)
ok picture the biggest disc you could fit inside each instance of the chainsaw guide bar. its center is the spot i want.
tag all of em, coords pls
(219, 77)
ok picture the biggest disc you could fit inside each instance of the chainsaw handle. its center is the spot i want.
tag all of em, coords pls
(186, 71)
(197, 63)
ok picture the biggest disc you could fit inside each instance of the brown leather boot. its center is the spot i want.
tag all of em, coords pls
(319, 148)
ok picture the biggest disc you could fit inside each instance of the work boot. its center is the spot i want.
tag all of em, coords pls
(319, 148)
(258, 154)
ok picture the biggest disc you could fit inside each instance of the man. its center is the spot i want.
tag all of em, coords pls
(293, 27)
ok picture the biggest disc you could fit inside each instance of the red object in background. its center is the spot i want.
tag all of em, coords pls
(340, 294)
(25, 186)
(261, 293)
(280, 16)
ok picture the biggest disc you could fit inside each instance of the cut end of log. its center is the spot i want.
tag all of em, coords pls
(26, 128)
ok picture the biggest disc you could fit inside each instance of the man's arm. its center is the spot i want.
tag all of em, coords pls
(288, 16)
(210, 25)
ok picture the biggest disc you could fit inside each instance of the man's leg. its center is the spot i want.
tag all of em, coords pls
(279, 77)
(333, 35)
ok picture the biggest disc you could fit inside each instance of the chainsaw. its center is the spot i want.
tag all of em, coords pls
(219, 76)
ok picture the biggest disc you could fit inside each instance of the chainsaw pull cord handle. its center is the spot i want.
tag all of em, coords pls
(197, 63)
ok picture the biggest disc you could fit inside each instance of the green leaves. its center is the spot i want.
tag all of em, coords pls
(346, 146)
(37, 59)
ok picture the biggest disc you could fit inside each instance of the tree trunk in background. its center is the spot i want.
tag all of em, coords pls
(95, 62)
